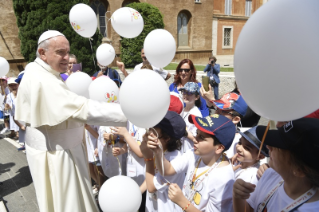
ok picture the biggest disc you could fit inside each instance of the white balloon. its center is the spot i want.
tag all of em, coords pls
(127, 22)
(144, 98)
(120, 193)
(83, 20)
(104, 89)
(105, 54)
(159, 47)
(79, 83)
(4, 66)
(276, 59)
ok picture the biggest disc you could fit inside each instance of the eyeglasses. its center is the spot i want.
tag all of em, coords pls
(184, 92)
(184, 69)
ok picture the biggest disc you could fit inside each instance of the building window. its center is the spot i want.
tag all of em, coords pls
(227, 37)
(228, 6)
(248, 8)
(197, 1)
(183, 28)
(100, 11)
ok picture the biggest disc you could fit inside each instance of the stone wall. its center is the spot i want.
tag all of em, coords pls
(226, 85)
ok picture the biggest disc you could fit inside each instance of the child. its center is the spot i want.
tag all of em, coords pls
(4, 92)
(234, 107)
(210, 176)
(170, 130)
(10, 105)
(191, 98)
(135, 165)
(291, 184)
(112, 166)
(246, 160)
(95, 168)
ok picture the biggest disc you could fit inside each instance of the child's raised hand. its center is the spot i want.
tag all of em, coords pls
(242, 189)
(234, 161)
(119, 131)
(262, 169)
(153, 143)
(116, 151)
(175, 193)
(147, 153)
(107, 136)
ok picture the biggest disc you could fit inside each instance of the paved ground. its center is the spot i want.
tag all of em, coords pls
(17, 190)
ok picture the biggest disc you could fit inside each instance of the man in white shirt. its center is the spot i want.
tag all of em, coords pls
(54, 137)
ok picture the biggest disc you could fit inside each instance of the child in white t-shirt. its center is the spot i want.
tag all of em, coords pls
(191, 98)
(10, 106)
(291, 184)
(111, 165)
(4, 91)
(135, 165)
(210, 176)
(169, 131)
(246, 160)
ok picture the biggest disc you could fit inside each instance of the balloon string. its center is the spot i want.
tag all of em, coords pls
(263, 140)
(92, 53)
(120, 168)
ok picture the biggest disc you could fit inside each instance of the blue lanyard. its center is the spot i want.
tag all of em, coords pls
(134, 131)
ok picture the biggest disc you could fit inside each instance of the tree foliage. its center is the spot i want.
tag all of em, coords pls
(131, 48)
(36, 16)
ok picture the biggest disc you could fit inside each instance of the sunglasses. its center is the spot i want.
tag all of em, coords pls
(184, 69)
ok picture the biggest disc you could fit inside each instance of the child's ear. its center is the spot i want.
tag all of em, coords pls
(261, 156)
(236, 119)
(220, 149)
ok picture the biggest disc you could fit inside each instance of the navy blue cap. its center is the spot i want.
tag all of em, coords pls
(251, 136)
(300, 137)
(218, 125)
(173, 125)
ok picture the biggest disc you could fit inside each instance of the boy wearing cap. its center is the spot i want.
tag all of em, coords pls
(210, 176)
(247, 161)
(191, 98)
(170, 130)
(291, 184)
(234, 107)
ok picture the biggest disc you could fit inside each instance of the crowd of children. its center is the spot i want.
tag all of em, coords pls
(191, 162)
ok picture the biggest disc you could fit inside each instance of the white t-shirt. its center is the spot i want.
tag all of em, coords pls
(2, 98)
(91, 144)
(215, 192)
(161, 72)
(280, 199)
(249, 174)
(109, 163)
(135, 166)
(11, 100)
(163, 203)
(186, 142)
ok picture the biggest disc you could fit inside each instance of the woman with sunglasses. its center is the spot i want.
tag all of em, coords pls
(186, 72)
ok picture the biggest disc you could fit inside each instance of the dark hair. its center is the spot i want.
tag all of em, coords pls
(177, 79)
(198, 102)
(235, 113)
(311, 174)
(212, 57)
(173, 143)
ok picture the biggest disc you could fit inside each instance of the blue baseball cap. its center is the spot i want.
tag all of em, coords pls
(232, 101)
(173, 125)
(251, 136)
(18, 80)
(218, 125)
(191, 87)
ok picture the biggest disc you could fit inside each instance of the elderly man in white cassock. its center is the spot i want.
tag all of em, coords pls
(55, 119)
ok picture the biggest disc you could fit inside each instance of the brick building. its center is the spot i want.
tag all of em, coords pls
(200, 27)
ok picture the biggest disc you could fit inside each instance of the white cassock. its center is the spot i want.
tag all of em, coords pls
(55, 152)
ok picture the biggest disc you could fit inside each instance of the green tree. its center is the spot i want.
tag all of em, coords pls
(36, 16)
(131, 47)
